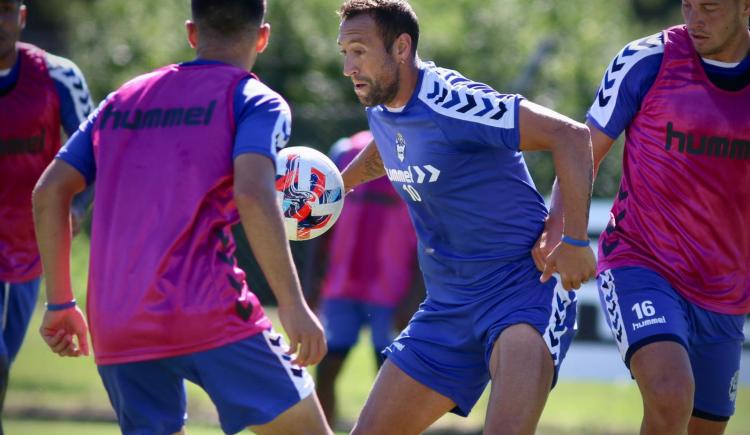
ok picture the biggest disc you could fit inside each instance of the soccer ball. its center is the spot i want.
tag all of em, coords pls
(309, 190)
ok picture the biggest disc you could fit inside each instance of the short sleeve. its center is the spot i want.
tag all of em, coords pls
(263, 120)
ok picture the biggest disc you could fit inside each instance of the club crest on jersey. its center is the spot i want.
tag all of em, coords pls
(400, 146)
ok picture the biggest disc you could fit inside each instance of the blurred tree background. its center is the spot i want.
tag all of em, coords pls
(553, 52)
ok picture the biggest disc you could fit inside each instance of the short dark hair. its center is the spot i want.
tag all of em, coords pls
(227, 18)
(393, 17)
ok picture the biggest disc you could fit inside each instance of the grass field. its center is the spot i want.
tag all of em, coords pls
(51, 395)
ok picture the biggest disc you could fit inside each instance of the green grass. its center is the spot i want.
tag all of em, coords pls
(53, 395)
(41, 427)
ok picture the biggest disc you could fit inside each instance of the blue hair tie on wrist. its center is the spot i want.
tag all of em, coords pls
(60, 307)
(575, 242)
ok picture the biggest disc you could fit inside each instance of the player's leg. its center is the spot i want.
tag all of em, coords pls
(21, 300)
(304, 418)
(436, 365)
(382, 331)
(326, 374)
(17, 306)
(253, 384)
(526, 345)
(704, 426)
(522, 372)
(4, 357)
(650, 326)
(665, 379)
(715, 352)
(342, 321)
(399, 404)
(147, 397)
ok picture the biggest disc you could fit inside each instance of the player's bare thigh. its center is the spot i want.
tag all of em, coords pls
(399, 401)
(522, 370)
(304, 418)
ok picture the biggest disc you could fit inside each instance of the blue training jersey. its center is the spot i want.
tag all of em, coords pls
(632, 73)
(262, 121)
(453, 155)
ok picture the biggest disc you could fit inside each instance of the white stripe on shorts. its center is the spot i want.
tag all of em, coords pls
(302, 380)
(556, 328)
(612, 310)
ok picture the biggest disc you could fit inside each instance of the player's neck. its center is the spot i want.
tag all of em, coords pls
(7, 61)
(243, 59)
(407, 87)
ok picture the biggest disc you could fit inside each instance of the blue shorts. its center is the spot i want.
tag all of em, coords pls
(342, 320)
(250, 382)
(448, 347)
(641, 308)
(17, 302)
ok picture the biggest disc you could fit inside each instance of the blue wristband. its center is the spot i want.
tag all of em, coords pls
(575, 242)
(60, 307)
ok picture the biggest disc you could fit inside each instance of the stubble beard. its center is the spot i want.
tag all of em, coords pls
(383, 92)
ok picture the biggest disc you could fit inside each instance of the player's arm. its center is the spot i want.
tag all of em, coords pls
(601, 144)
(570, 144)
(255, 196)
(75, 106)
(366, 166)
(52, 199)
(263, 126)
(624, 85)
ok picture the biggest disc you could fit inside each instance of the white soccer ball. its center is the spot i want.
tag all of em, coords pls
(309, 190)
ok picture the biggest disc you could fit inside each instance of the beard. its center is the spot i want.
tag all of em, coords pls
(382, 91)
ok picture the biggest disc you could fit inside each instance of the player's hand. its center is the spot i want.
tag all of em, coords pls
(306, 337)
(548, 240)
(575, 265)
(66, 332)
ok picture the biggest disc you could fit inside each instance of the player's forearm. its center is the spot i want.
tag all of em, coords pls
(263, 225)
(366, 166)
(53, 234)
(574, 167)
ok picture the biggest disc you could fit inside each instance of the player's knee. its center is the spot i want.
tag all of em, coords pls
(669, 396)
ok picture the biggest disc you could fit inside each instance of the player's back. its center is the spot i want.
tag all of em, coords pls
(162, 262)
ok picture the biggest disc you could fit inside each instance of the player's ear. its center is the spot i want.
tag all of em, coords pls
(192, 33)
(402, 47)
(22, 17)
(264, 33)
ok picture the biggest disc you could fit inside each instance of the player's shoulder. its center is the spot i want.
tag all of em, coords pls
(254, 98)
(63, 69)
(633, 69)
(452, 95)
(632, 55)
(258, 93)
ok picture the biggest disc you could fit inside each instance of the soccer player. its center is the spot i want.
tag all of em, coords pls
(452, 149)
(39, 93)
(673, 267)
(370, 267)
(179, 155)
